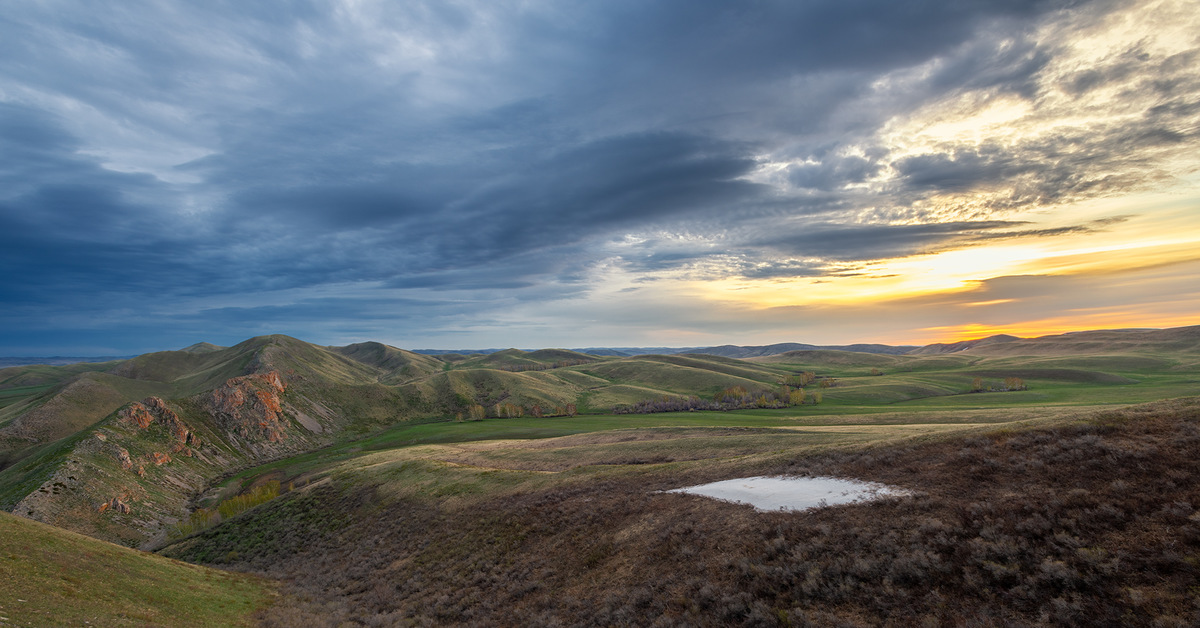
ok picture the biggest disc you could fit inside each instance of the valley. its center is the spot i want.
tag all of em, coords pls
(1052, 479)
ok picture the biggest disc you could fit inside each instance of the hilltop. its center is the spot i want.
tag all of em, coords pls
(121, 450)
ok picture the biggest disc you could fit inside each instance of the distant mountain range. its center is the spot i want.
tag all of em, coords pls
(119, 449)
(59, 360)
(727, 351)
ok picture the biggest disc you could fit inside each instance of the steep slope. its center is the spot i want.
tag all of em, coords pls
(78, 402)
(53, 577)
(132, 474)
(129, 476)
(63, 410)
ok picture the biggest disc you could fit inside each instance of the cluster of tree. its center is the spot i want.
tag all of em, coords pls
(735, 398)
(1010, 383)
(799, 380)
(204, 518)
(517, 368)
(477, 412)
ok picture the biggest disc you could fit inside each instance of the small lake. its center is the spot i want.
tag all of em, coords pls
(793, 493)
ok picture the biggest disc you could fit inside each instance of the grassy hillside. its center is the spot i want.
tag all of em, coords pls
(385, 476)
(220, 411)
(515, 359)
(1154, 341)
(397, 365)
(681, 375)
(575, 529)
(55, 577)
(328, 414)
(66, 409)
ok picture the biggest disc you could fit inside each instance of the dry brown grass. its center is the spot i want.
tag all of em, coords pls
(1088, 522)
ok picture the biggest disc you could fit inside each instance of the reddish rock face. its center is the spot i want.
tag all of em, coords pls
(150, 411)
(250, 406)
(138, 415)
(116, 505)
(154, 410)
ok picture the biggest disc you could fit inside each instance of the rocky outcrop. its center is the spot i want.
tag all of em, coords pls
(116, 505)
(160, 458)
(154, 410)
(250, 406)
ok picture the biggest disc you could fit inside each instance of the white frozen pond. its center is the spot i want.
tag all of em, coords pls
(792, 493)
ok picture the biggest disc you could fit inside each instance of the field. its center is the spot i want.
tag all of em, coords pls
(1055, 488)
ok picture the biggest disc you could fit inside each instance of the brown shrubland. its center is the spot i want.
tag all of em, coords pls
(1092, 522)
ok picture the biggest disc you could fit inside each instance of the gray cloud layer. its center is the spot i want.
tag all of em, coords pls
(493, 150)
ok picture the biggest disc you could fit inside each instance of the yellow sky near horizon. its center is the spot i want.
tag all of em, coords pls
(1140, 259)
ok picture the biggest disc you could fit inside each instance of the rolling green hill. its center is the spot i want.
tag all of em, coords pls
(54, 577)
(119, 437)
(396, 365)
(129, 450)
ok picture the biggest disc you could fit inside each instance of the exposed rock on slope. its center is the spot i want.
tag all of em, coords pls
(250, 407)
(154, 410)
(121, 482)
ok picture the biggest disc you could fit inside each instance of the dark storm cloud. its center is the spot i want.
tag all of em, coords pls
(70, 228)
(961, 170)
(777, 38)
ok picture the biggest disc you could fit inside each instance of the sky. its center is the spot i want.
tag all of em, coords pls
(531, 173)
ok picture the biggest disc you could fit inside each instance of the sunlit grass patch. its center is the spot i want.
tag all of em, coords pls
(55, 577)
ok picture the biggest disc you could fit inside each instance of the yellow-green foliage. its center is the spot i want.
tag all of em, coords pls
(241, 503)
(204, 518)
(509, 410)
(800, 379)
(201, 519)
